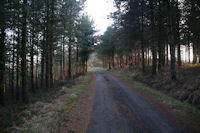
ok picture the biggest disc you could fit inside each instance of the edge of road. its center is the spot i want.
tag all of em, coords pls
(183, 115)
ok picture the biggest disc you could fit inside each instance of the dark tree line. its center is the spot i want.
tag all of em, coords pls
(152, 33)
(41, 43)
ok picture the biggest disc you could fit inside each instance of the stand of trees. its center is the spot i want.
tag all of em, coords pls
(151, 32)
(41, 43)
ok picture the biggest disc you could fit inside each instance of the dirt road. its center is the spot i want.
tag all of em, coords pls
(119, 109)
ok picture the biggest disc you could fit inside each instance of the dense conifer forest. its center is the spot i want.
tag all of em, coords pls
(152, 33)
(55, 64)
(42, 43)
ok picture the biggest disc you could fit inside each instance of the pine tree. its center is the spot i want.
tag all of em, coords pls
(170, 41)
(2, 51)
(23, 54)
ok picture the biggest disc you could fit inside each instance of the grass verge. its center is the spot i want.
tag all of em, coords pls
(77, 91)
(14, 116)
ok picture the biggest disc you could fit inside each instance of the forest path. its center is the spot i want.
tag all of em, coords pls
(119, 109)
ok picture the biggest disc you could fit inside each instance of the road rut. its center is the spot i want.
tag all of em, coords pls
(119, 109)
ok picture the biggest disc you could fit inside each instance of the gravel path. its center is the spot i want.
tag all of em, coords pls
(119, 109)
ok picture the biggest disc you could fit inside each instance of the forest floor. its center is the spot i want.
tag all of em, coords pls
(67, 109)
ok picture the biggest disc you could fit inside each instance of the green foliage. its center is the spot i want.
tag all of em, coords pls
(108, 42)
(85, 37)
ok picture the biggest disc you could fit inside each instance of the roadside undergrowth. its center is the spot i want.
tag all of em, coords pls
(77, 90)
(42, 116)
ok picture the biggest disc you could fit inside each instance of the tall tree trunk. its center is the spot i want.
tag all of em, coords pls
(109, 65)
(189, 47)
(171, 42)
(178, 35)
(194, 53)
(18, 62)
(199, 59)
(51, 44)
(159, 37)
(23, 53)
(32, 50)
(135, 58)
(9, 74)
(154, 65)
(42, 63)
(163, 55)
(13, 70)
(47, 79)
(63, 58)
(138, 51)
(47, 47)
(86, 66)
(69, 60)
(32, 63)
(148, 53)
(113, 58)
(142, 38)
(167, 54)
(2, 52)
(61, 72)
(179, 54)
(121, 62)
(77, 53)
(126, 60)
(2, 60)
(186, 51)
(37, 67)
(77, 59)
(51, 61)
